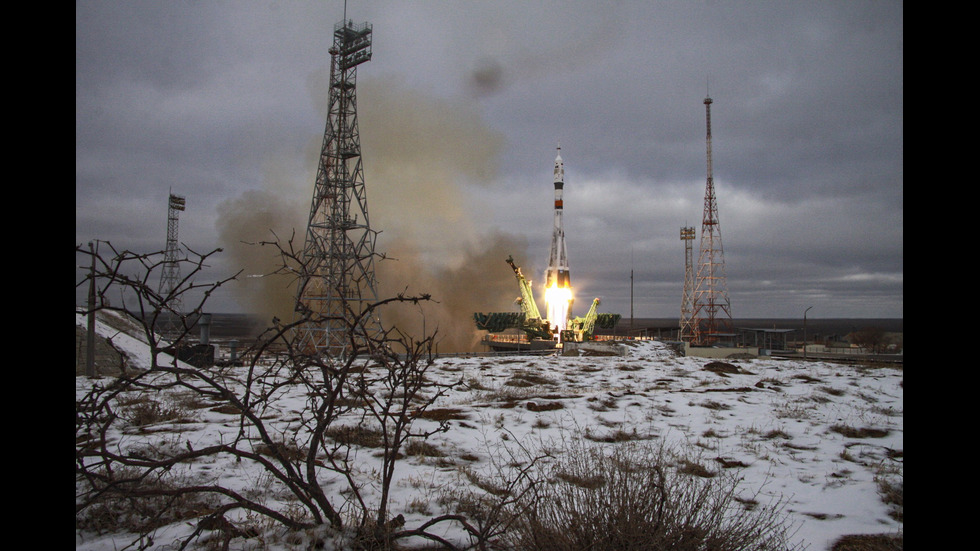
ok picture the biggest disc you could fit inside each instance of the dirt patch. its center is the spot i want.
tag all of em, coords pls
(442, 414)
(546, 406)
(859, 432)
(730, 463)
(724, 369)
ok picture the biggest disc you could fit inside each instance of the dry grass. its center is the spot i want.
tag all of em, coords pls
(544, 406)
(146, 410)
(356, 436)
(418, 447)
(631, 498)
(892, 492)
(442, 414)
(864, 432)
(869, 542)
(115, 511)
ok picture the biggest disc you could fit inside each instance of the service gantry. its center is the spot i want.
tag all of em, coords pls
(337, 283)
(712, 317)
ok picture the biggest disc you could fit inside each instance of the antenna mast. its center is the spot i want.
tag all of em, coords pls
(712, 318)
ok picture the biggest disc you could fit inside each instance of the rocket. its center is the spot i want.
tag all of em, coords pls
(557, 273)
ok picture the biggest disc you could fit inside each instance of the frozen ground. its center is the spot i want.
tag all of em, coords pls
(814, 435)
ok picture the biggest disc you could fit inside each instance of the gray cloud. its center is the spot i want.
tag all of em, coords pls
(221, 100)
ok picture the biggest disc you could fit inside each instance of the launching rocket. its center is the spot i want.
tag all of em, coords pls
(557, 274)
(558, 294)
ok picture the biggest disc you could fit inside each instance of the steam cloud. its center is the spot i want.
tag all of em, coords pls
(419, 156)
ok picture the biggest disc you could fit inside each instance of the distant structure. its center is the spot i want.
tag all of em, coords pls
(170, 274)
(712, 317)
(557, 283)
(338, 282)
(687, 302)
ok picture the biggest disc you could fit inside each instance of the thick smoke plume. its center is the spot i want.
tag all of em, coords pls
(243, 223)
(420, 154)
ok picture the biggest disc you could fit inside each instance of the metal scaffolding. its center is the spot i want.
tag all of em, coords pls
(338, 282)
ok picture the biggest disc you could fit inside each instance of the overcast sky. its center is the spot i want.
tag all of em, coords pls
(461, 110)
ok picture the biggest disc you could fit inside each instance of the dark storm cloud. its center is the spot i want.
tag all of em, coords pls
(214, 99)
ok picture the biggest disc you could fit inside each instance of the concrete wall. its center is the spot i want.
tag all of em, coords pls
(594, 348)
(710, 352)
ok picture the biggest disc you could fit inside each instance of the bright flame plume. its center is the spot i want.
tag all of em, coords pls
(558, 300)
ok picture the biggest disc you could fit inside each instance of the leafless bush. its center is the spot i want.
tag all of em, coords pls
(630, 496)
(370, 398)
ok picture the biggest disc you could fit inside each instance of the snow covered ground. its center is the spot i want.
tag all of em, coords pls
(816, 436)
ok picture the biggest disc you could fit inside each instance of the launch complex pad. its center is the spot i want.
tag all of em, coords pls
(528, 329)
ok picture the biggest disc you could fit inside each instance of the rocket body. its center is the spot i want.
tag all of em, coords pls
(558, 284)
(557, 274)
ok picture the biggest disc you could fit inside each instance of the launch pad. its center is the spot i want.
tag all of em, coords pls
(528, 330)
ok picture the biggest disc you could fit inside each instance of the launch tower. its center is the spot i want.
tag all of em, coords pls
(170, 275)
(557, 283)
(687, 303)
(338, 281)
(712, 317)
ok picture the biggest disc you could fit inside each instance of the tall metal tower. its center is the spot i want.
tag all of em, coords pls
(170, 274)
(687, 302)
(712, 319)
(338, 282)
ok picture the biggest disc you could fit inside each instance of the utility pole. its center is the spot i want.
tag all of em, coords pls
(90, 335)
(631, 291)
(804, 331)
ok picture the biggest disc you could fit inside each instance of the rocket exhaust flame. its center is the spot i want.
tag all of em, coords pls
(558, 302)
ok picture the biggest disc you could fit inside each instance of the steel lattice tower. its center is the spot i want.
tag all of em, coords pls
(687, 302)
(712, 319)
(170, 274)
(338, 281)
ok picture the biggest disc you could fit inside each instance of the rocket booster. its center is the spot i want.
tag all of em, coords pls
(557, 273)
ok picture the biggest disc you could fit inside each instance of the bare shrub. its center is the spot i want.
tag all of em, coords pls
(369, 397)
(149, 411)
(869, 542)
(631, 497)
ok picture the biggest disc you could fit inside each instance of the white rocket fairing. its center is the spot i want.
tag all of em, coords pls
(557, 281)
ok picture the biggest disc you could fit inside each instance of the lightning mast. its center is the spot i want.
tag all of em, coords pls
(338, 282)
(170, 274)
(712, 317)
(687, 302)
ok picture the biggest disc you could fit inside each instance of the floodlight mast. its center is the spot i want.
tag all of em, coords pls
(687, 301)
(338, 280)
(170, 274)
